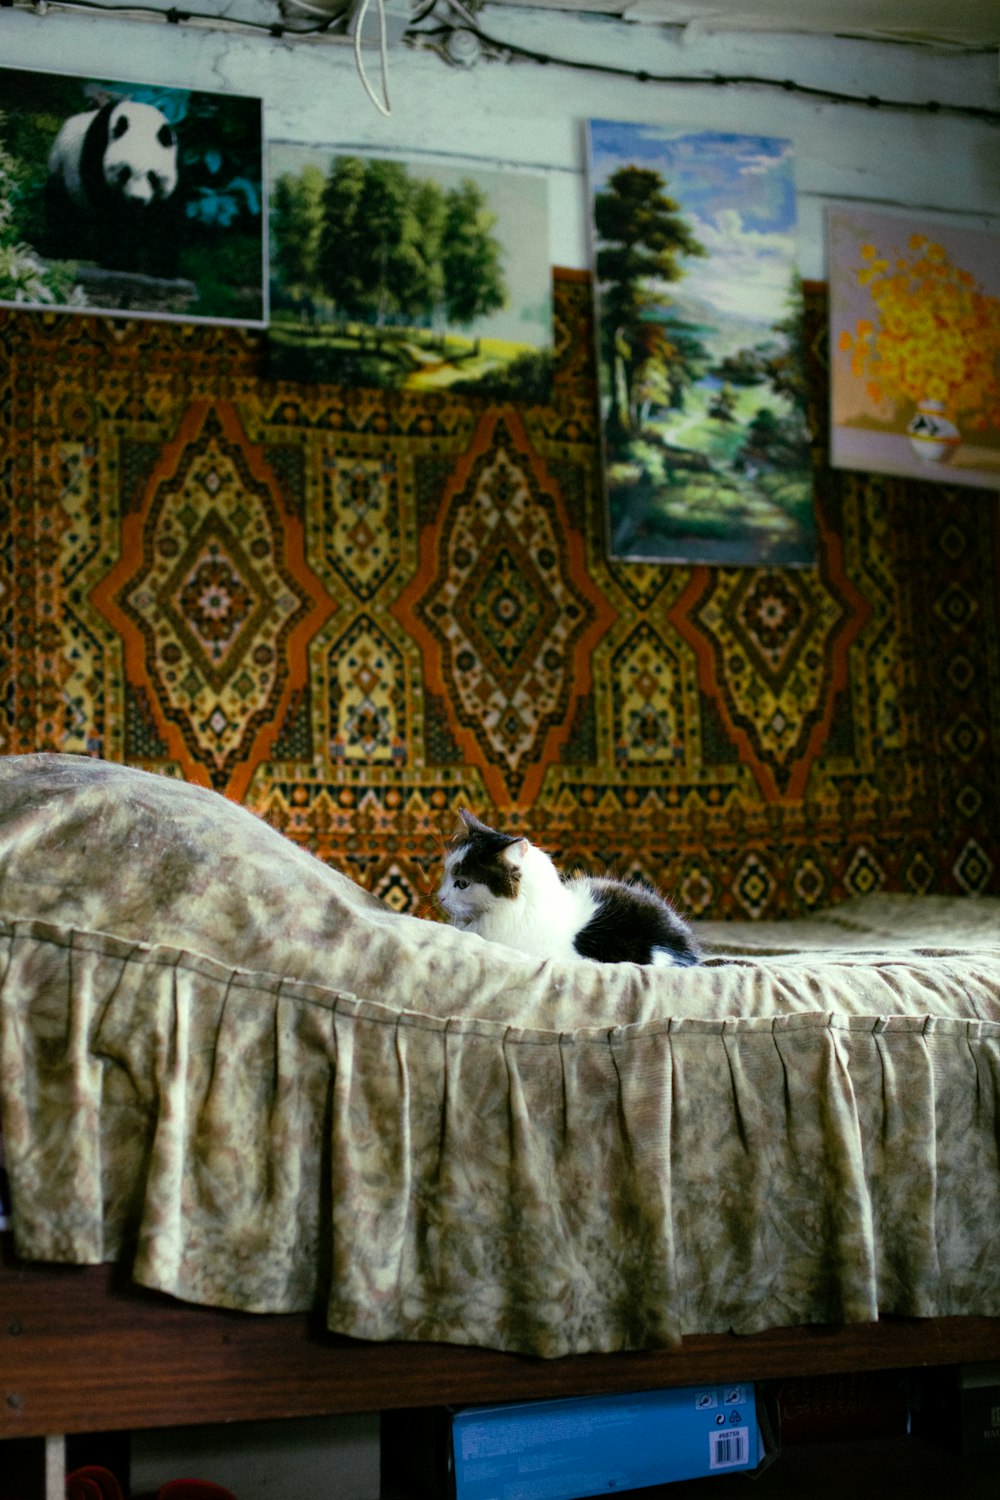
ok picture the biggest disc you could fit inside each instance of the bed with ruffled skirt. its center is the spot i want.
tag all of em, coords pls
(225, 1065)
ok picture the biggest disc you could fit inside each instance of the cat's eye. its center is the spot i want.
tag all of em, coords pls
(460, 885)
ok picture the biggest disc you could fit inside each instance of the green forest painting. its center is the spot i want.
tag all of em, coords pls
(408, 274)
(699, 316)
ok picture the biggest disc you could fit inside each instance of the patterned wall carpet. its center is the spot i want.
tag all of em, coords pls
(353, 610)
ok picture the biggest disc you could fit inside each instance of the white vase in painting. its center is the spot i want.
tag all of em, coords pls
(933, 435)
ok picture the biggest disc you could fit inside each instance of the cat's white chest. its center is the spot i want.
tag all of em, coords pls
(542, 922)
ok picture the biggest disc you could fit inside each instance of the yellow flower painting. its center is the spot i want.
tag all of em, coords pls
(914, 347)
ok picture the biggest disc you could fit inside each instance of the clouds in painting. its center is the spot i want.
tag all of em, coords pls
(738, 193)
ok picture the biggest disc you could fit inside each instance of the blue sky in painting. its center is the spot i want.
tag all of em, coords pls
(738, 194)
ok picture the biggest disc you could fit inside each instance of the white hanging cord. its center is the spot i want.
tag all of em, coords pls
(383, 49)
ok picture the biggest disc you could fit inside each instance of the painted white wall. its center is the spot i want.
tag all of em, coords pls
(520, 113)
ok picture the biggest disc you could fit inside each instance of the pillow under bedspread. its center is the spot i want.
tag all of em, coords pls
(223, 1060)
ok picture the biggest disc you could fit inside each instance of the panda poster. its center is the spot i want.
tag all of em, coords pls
(131, 199)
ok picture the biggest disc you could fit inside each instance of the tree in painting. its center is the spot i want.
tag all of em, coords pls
(473, 274)
(387, 248)
(296, 227)
(341, 236)
(643, 235)
(380, 267)
(393, 251)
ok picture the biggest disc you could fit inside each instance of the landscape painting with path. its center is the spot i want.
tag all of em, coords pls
(702, 384)
(409, 274)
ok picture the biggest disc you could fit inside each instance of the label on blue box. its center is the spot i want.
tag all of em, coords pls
(596, 1445)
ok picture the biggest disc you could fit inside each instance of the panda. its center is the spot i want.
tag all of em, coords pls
(112, 190)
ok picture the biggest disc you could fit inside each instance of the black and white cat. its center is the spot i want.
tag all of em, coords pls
(507, 890)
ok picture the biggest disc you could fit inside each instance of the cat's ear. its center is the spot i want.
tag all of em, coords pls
(515, 852)
(472, 823)
(469, 825)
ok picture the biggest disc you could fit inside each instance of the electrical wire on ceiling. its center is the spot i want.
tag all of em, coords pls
(324, 26)
(505, 51)
(463, 41)
(175, 16)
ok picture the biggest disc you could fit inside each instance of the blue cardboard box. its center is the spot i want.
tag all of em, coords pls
(596, 1445)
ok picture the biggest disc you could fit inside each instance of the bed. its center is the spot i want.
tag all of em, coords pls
(232, 1082)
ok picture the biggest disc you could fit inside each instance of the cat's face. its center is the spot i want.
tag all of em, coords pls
(481, 868)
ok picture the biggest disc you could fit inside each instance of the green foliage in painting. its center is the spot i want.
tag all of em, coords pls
(382, 246)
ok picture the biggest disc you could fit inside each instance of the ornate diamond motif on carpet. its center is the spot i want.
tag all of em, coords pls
(355, 610)
(771, 646)
(214, 603)
(504, 614)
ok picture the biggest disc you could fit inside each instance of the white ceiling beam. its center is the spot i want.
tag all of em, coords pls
(971, 23)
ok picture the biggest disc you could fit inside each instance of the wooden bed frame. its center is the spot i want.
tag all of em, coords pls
(83, 1350)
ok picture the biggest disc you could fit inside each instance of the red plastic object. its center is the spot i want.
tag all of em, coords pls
(92, 1482)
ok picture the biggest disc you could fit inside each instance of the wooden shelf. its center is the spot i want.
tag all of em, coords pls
(83, 1350)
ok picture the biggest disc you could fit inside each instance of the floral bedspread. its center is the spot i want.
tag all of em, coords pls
(223, 1061)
